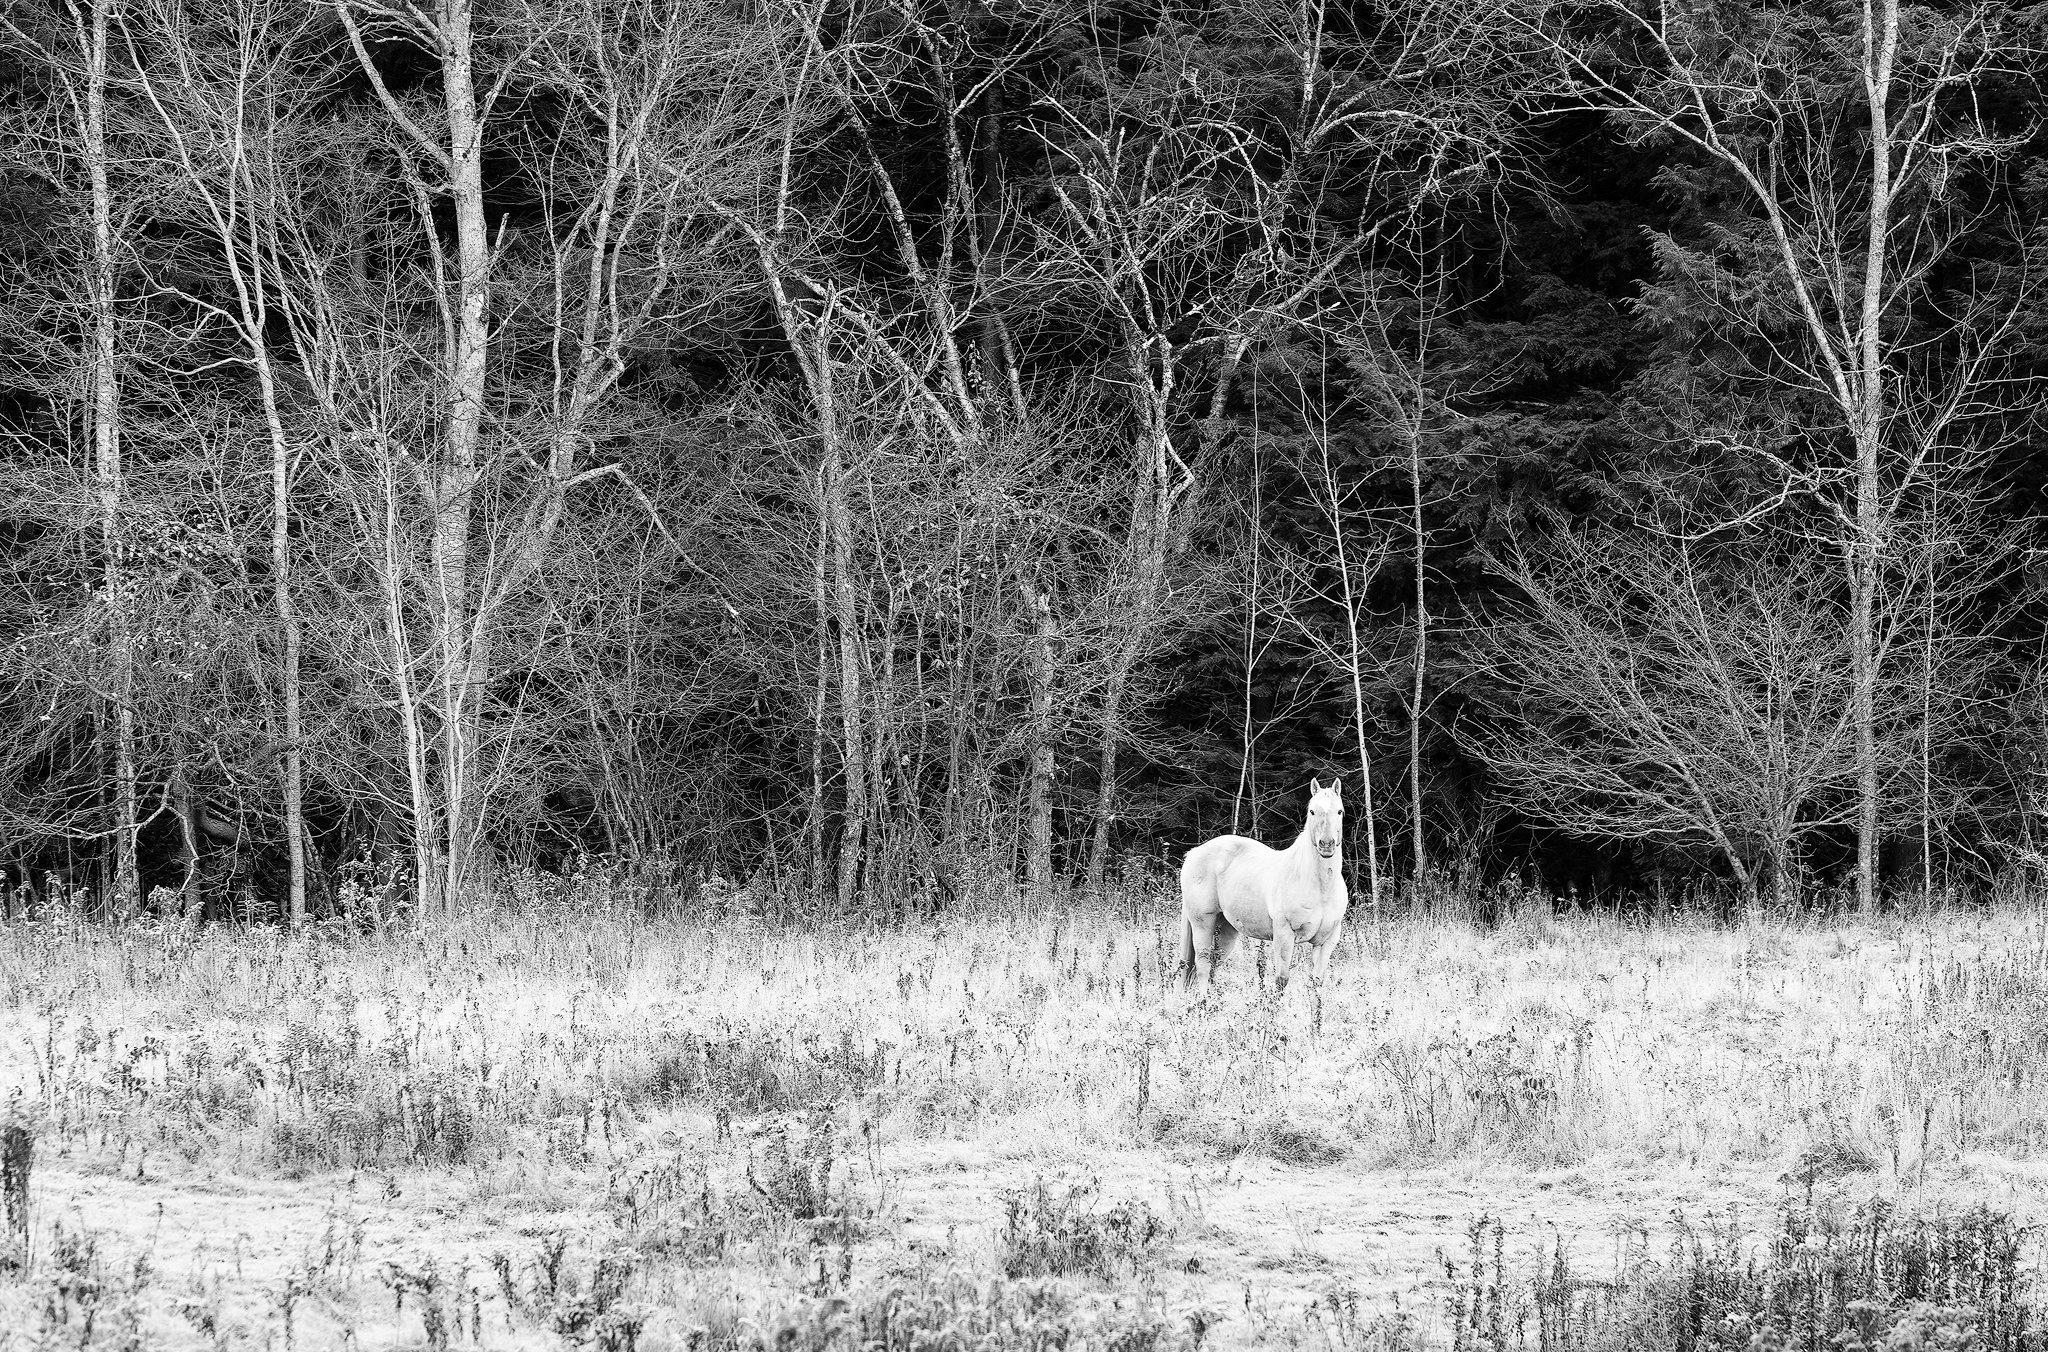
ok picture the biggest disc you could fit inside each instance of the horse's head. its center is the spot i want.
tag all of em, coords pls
(1326, 816)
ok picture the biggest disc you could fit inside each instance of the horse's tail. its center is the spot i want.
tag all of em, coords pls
(1184, 957)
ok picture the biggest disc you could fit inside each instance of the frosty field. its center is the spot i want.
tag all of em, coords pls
(559, 1126)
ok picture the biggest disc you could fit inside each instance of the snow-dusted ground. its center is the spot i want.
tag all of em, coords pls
(450, 1137)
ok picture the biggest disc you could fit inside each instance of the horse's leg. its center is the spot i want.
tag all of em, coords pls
(1197, 914)
(1280, 957)
(1204, 927)
(1323, 949)
(1226, 944)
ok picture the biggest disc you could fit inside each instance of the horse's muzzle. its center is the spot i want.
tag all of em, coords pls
(1326, 850)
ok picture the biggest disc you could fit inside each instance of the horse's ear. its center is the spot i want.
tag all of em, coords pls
(1336, 786)
(1315, 785)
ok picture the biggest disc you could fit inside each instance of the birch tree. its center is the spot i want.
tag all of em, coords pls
(77, 52)
(440, 146)
(645, 98)
(1846, 134)
(1405, 371)
(224, 95)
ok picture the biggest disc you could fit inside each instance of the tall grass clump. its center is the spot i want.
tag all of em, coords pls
(17, 1160)
(1063, 1231)
(947, 1311)
(1826, 1280)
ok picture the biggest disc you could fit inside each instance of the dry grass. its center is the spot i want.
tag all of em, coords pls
(570, 1125)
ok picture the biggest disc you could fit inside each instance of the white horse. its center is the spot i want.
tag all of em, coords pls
(1233, 886)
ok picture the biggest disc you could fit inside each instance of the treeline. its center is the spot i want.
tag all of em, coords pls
(891, 447)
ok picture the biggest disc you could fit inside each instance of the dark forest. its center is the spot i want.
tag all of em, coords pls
(889, 450)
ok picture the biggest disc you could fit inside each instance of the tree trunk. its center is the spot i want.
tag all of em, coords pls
(1247, 778)
(846, 617)
(1864, 657)
(815, 819)
(1109, 734)
(454, 487)
(187, 812)
(1927, 712)
(1372, 849)
(1355, 661)
(1105, 792)
(1881, 40)
(1751, 895)
(1784, 870)
(254, 322)
(1109, 743)
(126, 895)
(294, 733)
(884, 856)
(427, 878)
(444, 815)
(1421, 662)
(959, 712)
(1038, 833)
(1151, 514)
(451, 646)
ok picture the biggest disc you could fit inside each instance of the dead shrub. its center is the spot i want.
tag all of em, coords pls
(1060, 1232)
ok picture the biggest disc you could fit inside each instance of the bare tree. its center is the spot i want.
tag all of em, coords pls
(88, 98)
(75, 52)
(219, 87)
(443, 160)
(539, 326)
(1844, 135)
(1405, 372)
(1656, 690)
(1194, 206)
(1140, 231)
(921, 364)
(1332, 572)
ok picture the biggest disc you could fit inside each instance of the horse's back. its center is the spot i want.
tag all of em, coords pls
(1201, 873)
(1217, 853)
(1206, 862)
